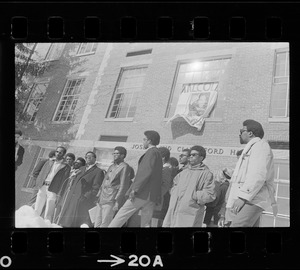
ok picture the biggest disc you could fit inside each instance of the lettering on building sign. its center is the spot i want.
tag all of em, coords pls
(214, 151)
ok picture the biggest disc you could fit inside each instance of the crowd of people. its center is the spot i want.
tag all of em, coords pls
(75, 192)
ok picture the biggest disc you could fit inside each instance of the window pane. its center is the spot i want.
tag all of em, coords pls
(282, 222)
(266, 221)
(284, 171)
(283, 206)
(283, 190)
(280, 70)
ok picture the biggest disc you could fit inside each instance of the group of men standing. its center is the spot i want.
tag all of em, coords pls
(118, 194)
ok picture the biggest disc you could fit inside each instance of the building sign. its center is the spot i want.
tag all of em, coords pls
(195, 103)
(220, 151)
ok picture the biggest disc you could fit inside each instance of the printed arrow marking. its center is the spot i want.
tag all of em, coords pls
(116, 261)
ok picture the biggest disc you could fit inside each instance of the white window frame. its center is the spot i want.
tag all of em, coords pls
(278, 181)
(92, 51)
(32, 99)
(52, 51)
(284, 118)
(211, 116)
(109, 112)
(75, 98)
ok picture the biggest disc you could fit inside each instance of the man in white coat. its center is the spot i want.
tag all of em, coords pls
(249, 192)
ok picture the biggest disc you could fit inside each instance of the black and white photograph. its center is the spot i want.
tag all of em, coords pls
(160, 134)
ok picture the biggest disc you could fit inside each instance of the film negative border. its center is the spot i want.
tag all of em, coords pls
(154, 248)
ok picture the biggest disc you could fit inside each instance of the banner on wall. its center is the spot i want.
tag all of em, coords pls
(195, 103)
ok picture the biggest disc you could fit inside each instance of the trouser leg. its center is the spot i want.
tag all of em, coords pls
(107, 214)
(126, 211)
(98, 218)
(40, 199)
(247, 217)
(33, 197)
(146, 214)
(50, 205)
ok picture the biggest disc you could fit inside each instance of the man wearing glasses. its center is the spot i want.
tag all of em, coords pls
(184, 159)
(112, 191)
(252, 183)
(193, 188)
(49, 183)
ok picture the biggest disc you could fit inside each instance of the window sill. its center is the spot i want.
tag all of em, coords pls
(206, 120)
(49, 60)
(29, 190)
(85, 54)
(60, 122)
(118, 119)
(279, 120)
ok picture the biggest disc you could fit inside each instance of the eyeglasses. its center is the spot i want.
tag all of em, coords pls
(59, 152)
(242, 130)
(116, 153)
(182, 155)
(194, 154)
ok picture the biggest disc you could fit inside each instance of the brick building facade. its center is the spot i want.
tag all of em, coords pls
(124, 89)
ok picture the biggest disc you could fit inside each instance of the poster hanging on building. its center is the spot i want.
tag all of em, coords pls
(195, 103)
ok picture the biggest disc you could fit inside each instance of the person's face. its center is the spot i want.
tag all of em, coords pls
(195, 158)
(59, 153)
(245, 136)
(117, 156)
(202, 101)
(184, 158)
(146, 142)
(77, 164)
(69, 160)
(17, 138)
(90, 159)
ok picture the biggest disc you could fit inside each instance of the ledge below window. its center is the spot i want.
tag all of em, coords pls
(118, 119)
(206, 120)
(29, 190)
(85, 54)
(279, 120)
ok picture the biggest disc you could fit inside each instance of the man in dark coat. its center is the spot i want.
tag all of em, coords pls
(49, 182)
(82, 195)
(145, 191)
(19, 149)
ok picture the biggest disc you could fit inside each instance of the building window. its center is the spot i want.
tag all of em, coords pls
(198, 76)
(67, 104)
(126, 95)
(37, 95)
(281, 86)
(86, 48)
(55, 51)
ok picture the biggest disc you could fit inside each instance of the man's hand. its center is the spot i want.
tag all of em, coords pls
(116, 207)
(132, 195)
(221, 222)
(238, 205)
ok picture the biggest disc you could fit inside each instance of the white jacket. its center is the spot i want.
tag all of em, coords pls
(253, 173)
